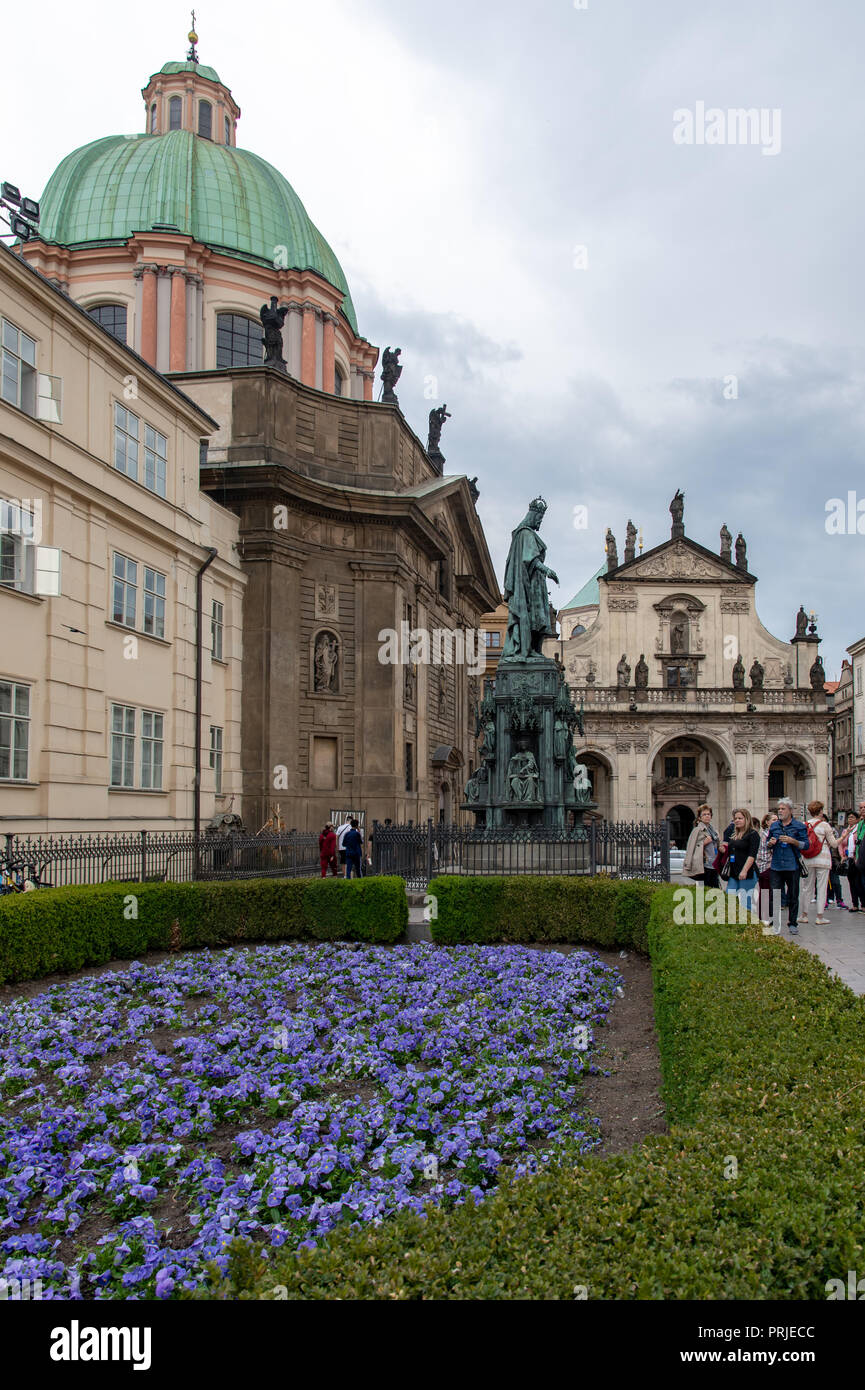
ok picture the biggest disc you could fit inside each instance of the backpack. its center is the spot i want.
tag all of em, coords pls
(815, 844)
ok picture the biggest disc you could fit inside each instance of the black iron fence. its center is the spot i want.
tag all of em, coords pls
(622, 849)
(149, 856)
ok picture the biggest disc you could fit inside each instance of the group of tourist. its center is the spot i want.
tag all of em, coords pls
(341, 850)
(799, 859)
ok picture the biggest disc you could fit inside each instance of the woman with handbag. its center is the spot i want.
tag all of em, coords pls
(701, 853)
(743, 847)
(848, 846)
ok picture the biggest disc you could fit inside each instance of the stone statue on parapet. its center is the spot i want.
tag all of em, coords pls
(391, 371)
(677, 512)
(630, 541)
(437, 417)
(272, 320)
(726, 544)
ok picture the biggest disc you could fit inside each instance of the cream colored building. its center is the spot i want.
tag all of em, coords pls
(650, 646)
(99, 459)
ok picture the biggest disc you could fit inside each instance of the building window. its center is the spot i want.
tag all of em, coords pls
(153, 119)
(409, 767)
(154, 602)
(14, 731)
(577, 629)
(19, 368)
(227, 130)
(122, 746)
(126, 432)
(205, 119)
(776, 783)
(112, 317)
(216, 758)
(217, 616)
(175, 112)
(338, 380)
(689, 767)
(127, 437)
(859, 680)
(671, 767)
(151, 750)
(677, 677)
(125, 595)
(155, 457)
(16, 547)
(859, 749)
(238, 341)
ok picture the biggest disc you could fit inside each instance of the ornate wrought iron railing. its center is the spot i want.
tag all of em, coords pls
(418, 853)
(144, 855)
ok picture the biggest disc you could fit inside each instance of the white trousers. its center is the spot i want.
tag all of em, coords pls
(819, 876)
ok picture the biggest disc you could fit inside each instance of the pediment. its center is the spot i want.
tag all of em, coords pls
(681, 559)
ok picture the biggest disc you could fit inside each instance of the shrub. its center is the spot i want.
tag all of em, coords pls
(59, 929)
(524, 907)
(763, 1061)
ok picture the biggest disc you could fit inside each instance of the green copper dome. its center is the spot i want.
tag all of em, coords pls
(201, 68)
(229, 199)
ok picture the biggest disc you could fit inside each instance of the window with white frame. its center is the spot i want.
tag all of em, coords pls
(152, 744)
(127, 450)
(126, 433)
(859, 679)
(859, 748)
(125, 591)
(122, 746)
(14, 731)
(155, 457)
(16, 547)
(154, 602)
(18, 372)
(217, 623)
(216, 757)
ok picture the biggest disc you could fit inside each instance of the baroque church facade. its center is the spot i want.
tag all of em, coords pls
(332, 522)
(688, 698)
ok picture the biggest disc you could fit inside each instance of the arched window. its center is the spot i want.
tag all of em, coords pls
(175, 113)
(238, 341)
(205, 120)
(227, 131)
(112, 317)
(338, 380)
(153, 119)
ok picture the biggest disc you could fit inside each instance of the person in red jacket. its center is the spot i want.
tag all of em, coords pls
(327, 850)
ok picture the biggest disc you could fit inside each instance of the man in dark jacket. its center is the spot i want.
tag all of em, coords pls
(353, 849)
(787, 838)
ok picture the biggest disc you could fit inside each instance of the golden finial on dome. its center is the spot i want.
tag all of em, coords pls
(641, 540)
(192, 56)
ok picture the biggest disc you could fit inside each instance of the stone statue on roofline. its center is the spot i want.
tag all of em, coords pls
(391, 371)
(272, 320)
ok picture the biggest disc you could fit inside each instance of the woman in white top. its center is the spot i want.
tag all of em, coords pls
(818, 867)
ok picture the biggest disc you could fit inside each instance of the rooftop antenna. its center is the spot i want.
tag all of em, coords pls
(192, 56)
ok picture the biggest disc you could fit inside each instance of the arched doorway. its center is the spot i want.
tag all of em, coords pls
(789, 775)
(445, 803)
(600, 777)
(681, 820)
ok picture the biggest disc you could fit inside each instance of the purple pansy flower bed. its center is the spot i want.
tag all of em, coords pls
(150, 1116)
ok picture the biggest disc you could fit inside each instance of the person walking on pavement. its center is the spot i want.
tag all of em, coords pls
(353, 850)
(848, 845)
(702, 849)
(787, 838)
(818, 865)
(743, 845)
(327, 850)
(764, 870)
(341, 833)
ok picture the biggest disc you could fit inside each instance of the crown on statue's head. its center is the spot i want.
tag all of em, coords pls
(539, 505)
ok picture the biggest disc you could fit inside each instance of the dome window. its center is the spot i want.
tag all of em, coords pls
(238, 341)
(227, 130)
(153, 119)
(338, 380)
(112, 317)
(205, 120)
(175, 112)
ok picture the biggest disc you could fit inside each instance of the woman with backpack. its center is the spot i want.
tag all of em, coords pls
(818, 861)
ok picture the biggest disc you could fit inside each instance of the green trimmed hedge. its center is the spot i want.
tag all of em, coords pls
(59, 929)
(763, 1059)
(524, 907)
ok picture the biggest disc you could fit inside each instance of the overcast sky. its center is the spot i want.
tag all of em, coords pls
(458, 155)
